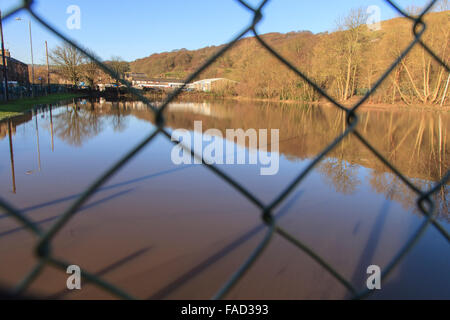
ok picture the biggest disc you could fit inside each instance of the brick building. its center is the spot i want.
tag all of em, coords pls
(17, 70)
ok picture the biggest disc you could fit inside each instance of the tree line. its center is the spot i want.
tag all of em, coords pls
(345, 63)
(348, 62)
(74, 67)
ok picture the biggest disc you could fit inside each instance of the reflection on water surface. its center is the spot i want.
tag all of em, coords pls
(166, 231)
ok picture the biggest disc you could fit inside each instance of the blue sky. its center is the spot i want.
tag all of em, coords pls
(138, 28)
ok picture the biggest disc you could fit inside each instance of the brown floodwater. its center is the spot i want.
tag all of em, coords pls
(165, 231)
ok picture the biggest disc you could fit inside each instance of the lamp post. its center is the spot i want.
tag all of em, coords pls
(5, 71)
(32, 59)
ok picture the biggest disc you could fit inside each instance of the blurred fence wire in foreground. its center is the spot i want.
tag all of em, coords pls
(425, 204)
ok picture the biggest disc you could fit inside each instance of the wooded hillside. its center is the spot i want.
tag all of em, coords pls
(346, 62)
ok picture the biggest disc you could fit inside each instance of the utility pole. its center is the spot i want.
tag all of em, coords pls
(48, 69)
(32, 61)
(5, 71)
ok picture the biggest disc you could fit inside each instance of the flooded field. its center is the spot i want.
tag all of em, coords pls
(162, 231)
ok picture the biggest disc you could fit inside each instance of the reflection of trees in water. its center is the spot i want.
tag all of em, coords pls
(442, 199)
(393, 188)
(341, 174)
(75, 125)
(78, 123)
(414, 141)
(119, 120)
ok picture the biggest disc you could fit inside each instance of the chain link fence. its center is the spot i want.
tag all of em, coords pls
(425, 204)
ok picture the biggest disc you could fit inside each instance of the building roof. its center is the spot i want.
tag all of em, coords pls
(136, 76)
(203, 81)
(11, 60)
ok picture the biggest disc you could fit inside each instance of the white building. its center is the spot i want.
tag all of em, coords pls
(207, 84)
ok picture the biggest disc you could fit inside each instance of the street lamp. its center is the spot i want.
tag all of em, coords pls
(32, 59)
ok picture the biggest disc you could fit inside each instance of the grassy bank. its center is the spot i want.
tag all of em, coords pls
(17, 107)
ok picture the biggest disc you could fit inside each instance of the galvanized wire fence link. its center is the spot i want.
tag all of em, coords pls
(424, 198)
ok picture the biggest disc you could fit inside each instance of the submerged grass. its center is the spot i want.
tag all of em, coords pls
(18, 107)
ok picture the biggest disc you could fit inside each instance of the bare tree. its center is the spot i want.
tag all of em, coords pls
(67, 62)
(91, 71)
(352, 48)
(443, 5)
(119, 66)
(338, 57)
(413, 10)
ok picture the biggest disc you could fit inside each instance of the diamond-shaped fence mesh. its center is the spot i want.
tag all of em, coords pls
(425, 202)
